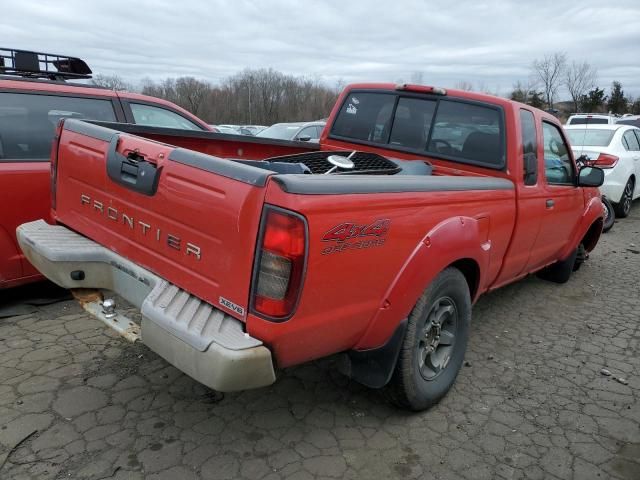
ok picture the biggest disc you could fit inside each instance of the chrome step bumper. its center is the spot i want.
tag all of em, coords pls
(204, 342)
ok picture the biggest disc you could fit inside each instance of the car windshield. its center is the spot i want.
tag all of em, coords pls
(282, 132)
(591, 138)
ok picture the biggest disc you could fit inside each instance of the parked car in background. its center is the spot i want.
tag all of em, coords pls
(591, 119)
(34, 95)
(254, 129)
(225, 129)
(616, 149)
(299, 131)
(633, 120)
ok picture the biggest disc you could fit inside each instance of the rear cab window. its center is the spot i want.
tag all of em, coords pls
(452, 129)
(28, 121)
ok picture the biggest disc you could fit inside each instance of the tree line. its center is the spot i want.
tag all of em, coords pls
(580, 79)
(251, 97)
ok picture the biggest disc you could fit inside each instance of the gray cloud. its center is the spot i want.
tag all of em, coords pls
(490, 43)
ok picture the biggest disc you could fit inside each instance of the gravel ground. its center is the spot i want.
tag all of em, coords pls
(533, 400)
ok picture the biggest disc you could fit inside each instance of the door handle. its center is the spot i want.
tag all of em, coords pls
(550, 203)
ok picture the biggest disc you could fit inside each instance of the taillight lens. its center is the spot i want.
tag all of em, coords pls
(605, 160)
(280, 264)
(54, 162)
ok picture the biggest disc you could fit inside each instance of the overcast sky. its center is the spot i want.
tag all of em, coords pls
(488, 43)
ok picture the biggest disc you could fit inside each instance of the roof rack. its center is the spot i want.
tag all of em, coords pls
(23, 63)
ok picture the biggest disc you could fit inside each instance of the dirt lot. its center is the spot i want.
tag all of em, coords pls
(77, 401)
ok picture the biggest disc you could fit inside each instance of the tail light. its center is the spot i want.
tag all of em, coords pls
(54, 162)
(280, 264)
(605, 160)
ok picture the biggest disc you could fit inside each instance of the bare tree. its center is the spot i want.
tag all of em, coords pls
(579, 78)
(112, 82)
(417, 78)
(250, 97)
(191, 94)
(550, 72)
(464, 85)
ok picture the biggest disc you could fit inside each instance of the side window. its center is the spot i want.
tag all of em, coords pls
(412, 122)
(558, 167)
(160, 117)
(529, 147)
(28, 121)
(472, 133)
(365, 116)
(637, 132)
(319, 129)
(631, 141)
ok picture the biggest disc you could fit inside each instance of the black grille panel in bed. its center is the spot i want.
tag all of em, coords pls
(365, 163)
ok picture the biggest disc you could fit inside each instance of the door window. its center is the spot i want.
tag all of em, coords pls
(631, 141)
(558, 166)
(160, 117)
(28, 121)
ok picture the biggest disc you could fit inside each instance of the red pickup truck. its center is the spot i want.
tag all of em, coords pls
(375, 246)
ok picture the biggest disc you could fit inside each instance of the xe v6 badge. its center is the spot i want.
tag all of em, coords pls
(368, 236)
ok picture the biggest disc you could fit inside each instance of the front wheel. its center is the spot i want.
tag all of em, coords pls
(623, 207)
(434, 345)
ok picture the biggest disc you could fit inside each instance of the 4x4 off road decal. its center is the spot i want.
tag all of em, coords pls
(351, 236)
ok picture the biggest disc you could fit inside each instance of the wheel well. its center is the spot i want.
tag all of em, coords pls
(592, 236)
(471, 272)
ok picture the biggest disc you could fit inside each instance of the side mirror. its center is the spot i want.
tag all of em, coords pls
(590, 177)
(530, 168)
(304, 138)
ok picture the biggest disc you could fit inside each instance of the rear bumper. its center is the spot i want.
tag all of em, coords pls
(194, 336)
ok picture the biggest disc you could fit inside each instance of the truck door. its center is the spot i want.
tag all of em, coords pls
(562, 201)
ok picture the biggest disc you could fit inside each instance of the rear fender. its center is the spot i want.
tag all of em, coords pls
(455, 239)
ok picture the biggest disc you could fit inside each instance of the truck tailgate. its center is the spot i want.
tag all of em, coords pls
(183, 215)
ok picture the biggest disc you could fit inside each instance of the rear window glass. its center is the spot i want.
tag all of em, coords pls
(365, 116)
(591, 138)
(28, 121)
(588, 120)
(468, 132)
(454, 130)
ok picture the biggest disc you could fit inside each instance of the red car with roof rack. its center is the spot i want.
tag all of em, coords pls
(373, 246)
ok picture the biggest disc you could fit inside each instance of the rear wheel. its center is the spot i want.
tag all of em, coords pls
(560, 271)
(623, 207)
(434, 344)
(609, 214)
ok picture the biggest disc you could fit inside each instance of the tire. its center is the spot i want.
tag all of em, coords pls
(623, 207)
(420, 378)
(609, 215)
(560, 272)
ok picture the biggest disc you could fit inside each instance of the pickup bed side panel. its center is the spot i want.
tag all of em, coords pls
(199, 228)
(347, 282)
